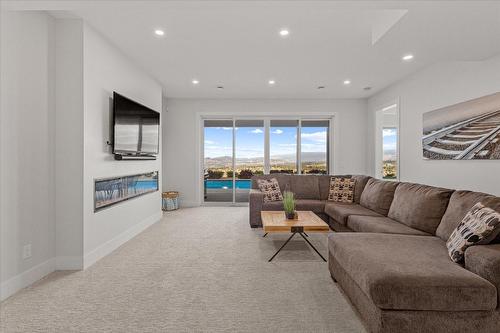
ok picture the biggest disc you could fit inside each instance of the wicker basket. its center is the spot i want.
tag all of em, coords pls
(170, 200)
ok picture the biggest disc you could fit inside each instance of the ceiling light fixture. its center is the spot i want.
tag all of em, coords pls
(284, 32)
(321, 87)
(159, 32)
(347, 82)
(220, 87)
(195, 81)
(407, 57)
(272, 82)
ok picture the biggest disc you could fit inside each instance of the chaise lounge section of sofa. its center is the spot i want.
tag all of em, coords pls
(389, 255)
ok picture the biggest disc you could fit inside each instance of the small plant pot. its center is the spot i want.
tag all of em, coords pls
(290, 215)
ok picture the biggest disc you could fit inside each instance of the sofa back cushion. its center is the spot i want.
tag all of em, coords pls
(377, 195)
(324, 185)
(283, 181)
(419, 206)
(361, 182)
(460, 204)
(305, 186)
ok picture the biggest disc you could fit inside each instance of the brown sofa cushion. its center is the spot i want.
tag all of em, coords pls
(324, 186)
(419, 206)
(361, 181)
(341, 211)
(484, 260)
(403, 272)
(305, 187)
(272, 205)
(460, 203)
(378, 194)
(316, 206)
(381, 224)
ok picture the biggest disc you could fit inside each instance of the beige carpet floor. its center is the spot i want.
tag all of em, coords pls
(198, 270)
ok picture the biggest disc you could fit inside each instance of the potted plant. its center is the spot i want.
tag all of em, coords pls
(289, 205)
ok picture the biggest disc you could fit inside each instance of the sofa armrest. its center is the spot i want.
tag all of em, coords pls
(256, 199)
(484, 260)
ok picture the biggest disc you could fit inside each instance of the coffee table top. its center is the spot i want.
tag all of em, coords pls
(275, 221)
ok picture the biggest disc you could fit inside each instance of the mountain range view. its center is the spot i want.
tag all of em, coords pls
(226, 161)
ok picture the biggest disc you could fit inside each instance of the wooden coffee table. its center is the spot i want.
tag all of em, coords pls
(307, 222)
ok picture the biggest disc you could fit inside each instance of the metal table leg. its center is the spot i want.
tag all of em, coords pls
(308, 242)
(282, 246)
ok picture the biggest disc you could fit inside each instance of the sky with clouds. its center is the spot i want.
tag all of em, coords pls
(250, 141)
(390, 141)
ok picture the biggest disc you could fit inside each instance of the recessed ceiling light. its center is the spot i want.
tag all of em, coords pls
(284, 32)
(271, 82)
(407, 57)
(195, 81)
(159, 32)
(347, 82)
(367, 88)
(321, 87)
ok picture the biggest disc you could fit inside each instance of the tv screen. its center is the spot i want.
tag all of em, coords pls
(136, 127)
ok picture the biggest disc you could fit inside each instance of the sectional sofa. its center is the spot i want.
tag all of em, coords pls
(390, 258)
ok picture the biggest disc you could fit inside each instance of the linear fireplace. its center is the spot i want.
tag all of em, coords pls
(110, 191)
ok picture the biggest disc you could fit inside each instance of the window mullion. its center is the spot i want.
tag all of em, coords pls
(299, 148)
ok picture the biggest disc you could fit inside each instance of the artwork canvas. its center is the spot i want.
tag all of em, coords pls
(111, 191)
(464, 131)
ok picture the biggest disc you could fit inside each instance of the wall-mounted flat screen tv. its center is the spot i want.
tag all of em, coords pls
(136, 127)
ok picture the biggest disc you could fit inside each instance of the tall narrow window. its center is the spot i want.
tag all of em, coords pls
(283, 146)
(387, 139)
(249, 155)
(218, 164)
(389, 153)
(314, 146)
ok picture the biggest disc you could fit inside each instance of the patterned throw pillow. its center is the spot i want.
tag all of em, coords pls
(479, 226)
(341, 189)
(271, 189)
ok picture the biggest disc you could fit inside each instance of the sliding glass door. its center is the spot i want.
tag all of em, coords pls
(249, 155)
(218, 160)
(314, 146)
(236, 149)
(283, 146)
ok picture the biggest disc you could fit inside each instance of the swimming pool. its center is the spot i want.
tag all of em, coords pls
(226, 184)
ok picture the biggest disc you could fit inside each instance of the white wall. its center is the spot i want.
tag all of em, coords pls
(180, 135)
(26, 163)
(436, 87)
(106, 70)
(69, 144)
(57, 77)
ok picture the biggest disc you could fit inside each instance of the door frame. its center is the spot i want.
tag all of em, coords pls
(378, 140)
(333, 142)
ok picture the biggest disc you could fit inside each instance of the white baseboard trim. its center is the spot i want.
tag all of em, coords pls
(69, 263)
(103, 250)
(26, 278)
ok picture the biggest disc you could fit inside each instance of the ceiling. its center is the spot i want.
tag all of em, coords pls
(236, 44)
